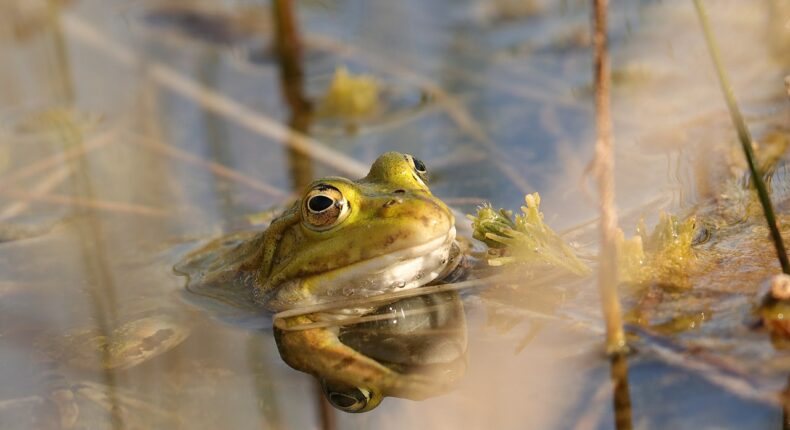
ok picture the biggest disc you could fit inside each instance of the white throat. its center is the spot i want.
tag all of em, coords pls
(404, 269)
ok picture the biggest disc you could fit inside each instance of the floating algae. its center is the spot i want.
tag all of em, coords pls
(664, 256)
(524, 239)
(351, 95)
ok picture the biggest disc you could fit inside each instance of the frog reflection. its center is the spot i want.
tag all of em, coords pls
(416, 349)
(343, 238)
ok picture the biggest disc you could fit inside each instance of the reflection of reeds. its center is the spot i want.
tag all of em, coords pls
(622, 394)
(739, 379)
(785, 398)
(591, 417)
(744, 137)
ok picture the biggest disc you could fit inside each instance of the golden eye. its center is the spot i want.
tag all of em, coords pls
(324, 207)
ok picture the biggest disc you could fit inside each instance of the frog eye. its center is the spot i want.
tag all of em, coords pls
(419, 168)
(324, 207)
(350, 399)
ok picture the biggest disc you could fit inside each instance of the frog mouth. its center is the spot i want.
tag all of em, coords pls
(406, 268)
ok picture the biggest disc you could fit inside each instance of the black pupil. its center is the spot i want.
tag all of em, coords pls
(320, 203)
(419, 165)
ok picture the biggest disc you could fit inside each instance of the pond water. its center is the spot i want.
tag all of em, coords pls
(132, 132)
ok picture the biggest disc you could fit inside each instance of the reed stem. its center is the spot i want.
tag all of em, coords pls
(603, 168)
(744, 137)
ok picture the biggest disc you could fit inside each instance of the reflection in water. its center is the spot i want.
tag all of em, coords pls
(622, 395)
(785, 399)
(210, 26)
(420, 341)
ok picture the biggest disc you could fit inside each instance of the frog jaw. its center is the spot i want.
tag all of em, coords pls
(399, 270)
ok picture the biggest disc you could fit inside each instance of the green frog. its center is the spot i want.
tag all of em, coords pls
(346, 239)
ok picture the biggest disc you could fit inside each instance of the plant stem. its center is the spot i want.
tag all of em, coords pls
(603, 168)
(744, 137)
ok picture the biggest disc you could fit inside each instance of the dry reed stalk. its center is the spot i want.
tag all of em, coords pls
(28, 196)
(47, 164)
(603, 170)
(216, 168)
(49, 182)
(288, 47)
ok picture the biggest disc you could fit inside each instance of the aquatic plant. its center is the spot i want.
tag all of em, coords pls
(523, 239)
(351, 95)
(664, 256)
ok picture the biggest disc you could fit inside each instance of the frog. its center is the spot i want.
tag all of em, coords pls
(344, 239)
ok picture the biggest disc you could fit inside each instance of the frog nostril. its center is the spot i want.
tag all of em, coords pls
(389, 203)
(399, 191)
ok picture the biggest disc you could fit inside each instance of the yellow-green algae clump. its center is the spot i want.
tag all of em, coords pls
(351, 95)
(664, 256)
(524, 238)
